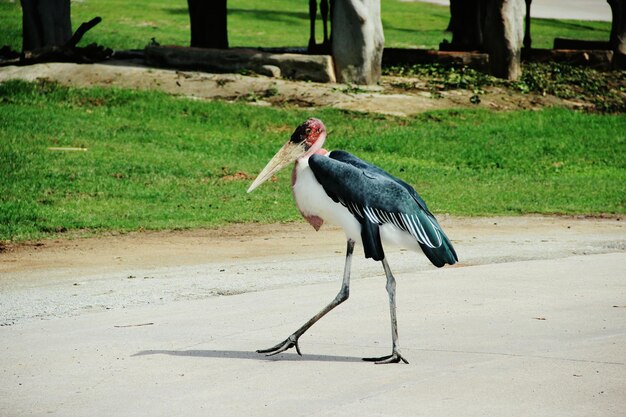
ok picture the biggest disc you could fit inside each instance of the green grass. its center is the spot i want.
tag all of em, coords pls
(543, 31)
(271, 23)
(155, 161)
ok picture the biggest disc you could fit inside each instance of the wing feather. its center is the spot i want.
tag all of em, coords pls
(375, 198)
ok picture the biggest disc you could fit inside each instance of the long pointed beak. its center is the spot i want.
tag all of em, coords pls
(286, 155)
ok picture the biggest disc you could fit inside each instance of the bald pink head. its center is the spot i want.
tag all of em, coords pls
(305, 141)
(311, 134)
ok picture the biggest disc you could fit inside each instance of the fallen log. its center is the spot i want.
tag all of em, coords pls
(80, 32)
(403, 56)
(317, 68)
(578, 44)
(69, 52)
(595, 58)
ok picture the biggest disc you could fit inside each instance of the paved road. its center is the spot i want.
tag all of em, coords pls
(542, 335)
(561, 9)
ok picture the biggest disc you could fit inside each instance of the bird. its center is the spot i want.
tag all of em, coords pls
(371, 205)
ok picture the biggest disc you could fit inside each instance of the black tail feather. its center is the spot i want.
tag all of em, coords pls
(444, 254)
(372, 246)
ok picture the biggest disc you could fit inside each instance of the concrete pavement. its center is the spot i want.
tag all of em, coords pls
(526, 338)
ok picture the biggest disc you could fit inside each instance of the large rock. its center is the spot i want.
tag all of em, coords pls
(317, 68)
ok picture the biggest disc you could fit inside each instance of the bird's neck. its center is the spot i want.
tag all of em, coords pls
(303, 163)
(311, 152)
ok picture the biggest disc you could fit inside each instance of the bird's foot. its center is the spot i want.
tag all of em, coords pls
(288, 343)
(395, 357)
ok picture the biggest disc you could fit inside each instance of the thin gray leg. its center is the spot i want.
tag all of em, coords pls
(342, 296)
(395, 356)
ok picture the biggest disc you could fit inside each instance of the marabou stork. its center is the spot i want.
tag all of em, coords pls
(371, 205)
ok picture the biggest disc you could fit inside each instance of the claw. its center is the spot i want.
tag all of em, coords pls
(288, 343)
(395, 357)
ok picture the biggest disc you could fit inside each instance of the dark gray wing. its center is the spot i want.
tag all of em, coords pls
(348, 158)
(375, 197)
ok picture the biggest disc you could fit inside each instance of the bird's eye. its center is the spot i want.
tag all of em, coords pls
(307, 131)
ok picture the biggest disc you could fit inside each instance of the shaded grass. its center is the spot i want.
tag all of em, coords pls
(155, 161)
(271, 23)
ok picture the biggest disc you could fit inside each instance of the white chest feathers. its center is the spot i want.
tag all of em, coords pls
(313, 202)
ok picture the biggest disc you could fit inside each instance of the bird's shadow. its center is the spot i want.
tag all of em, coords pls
(238, 354)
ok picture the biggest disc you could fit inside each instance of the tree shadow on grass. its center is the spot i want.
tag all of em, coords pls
(259, 14)
(567, 25)
(237, 354)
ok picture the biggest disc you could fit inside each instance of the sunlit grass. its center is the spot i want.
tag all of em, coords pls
(153, 161)
(271, 23)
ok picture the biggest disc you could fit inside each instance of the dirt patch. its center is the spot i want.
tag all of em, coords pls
(503, 239)
(118, 270)
(385, 98)
(147, 248)
(61, 278)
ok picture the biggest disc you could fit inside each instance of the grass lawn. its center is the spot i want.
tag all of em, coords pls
(271, 23)
(155, 161)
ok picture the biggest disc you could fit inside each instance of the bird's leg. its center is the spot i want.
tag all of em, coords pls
(342, 296)
(395, 356)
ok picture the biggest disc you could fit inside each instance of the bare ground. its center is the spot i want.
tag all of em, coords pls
(137, 315)
(71, 277)
(519, 238)
(385, 98)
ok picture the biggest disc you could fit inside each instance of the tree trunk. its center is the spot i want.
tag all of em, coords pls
(208, 23)
(45, 23)
(466, 23)
(503, 34)
(492, 26)
(618, 27)
(357, 41)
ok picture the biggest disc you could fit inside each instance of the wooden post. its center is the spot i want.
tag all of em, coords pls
(324, 47)
(618, 26)
(312, 17)
(324, 11)
(527, 39)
